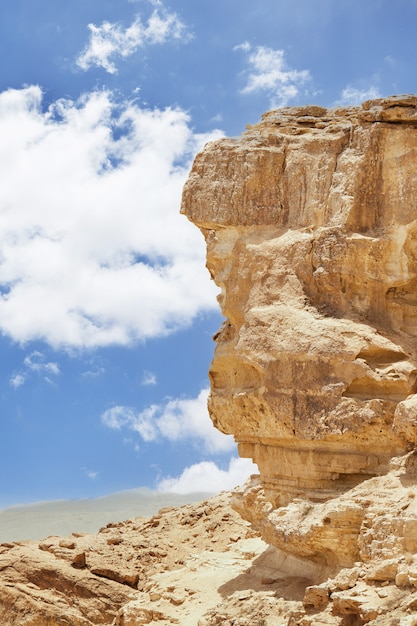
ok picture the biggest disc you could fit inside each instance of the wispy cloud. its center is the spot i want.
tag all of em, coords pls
(270, 74)
(148, 379)
(91, 474)
(110, 40)
(35, 363)
(17, 380)
(207, 476)
(352, 96)
(177, 419)
(92, 244)
(94, 372)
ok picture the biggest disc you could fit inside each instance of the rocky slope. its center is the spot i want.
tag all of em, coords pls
(166, 569)
(199, 565)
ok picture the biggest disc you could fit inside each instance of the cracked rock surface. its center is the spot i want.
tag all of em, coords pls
(310, 220)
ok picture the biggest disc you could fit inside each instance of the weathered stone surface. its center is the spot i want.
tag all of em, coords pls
(48, 583)
(199, 564)
(310, 220)
(38, 587)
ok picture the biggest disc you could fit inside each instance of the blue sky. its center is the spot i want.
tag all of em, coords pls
(106, 309)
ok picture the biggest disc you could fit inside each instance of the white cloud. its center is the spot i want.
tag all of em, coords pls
(17, 380)
(353, 96)
(270, 74)
(176, 420)
(93, 251)
(37, 363)
(207, 477)
(111, 40)
(245, 46)
(148, 379)
(95, 372)
(91, 474)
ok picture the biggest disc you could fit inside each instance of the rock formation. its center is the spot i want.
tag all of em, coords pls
(310, 220)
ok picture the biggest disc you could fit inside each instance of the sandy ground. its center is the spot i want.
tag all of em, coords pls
(61, 517)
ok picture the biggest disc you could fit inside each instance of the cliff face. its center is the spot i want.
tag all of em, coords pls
(310, 220)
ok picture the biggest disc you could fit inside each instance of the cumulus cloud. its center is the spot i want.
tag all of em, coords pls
(93, 251)
(353, 96)
(208, 477)
(110, 40)
(177, 419)
(35, 362)
(269, 73)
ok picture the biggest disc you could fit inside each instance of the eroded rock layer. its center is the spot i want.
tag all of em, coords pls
(310, 220)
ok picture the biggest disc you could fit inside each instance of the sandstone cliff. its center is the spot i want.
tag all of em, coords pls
(310, 220)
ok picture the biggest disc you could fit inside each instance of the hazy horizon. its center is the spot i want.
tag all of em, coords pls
(37, 520)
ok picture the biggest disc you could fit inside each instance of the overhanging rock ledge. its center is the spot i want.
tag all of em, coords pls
(310, 220)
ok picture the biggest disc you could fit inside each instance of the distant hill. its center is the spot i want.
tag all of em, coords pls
(61, 517)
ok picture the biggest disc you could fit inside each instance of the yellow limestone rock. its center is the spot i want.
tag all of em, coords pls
(310, 220)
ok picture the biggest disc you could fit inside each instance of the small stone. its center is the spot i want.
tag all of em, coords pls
(79, 560)
(243, 596)
(177, 599)
(154, 596)
(114, 541)
(316, 597)
(402, 579)
(385, 571)
(346, 579)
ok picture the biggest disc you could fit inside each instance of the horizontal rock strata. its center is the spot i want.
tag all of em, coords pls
(310, 220)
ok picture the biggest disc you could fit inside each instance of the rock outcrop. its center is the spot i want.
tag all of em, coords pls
(199, 565)
(310, 220)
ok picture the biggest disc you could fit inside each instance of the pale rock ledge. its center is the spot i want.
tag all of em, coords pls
(310, 220)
